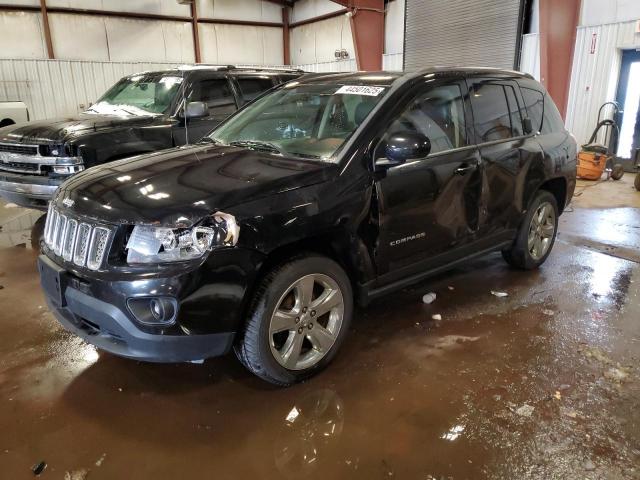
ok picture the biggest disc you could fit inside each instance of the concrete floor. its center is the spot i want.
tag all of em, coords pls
(543, 383)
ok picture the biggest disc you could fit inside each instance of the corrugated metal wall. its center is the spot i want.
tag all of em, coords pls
(594, 76)
(461, 32)
(339, 66)
(392, 61)
(119, 39)
(317, 42)
(55, 88)
(530, 58)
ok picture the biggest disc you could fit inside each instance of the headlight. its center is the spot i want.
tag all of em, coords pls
(159, 244)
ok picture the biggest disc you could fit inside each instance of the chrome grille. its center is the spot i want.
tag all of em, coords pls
(77, 241)
(19, 148)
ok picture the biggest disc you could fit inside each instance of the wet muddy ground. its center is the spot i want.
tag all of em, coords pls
(542, 383)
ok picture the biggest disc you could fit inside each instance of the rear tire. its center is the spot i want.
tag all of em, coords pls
(299, 317)
(536, 235)
(636, 182)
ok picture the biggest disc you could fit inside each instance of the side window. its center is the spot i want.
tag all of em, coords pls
(552, 120)
(490, 112)
(285, 77)
(533, 102)
(514, 111)
(438, 114)
(251, 87)
(216, 93)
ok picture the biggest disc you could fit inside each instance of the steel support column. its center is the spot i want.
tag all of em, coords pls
(367, 28)
(47, 30)
(286, 55)
(196, 32)
(558, 23)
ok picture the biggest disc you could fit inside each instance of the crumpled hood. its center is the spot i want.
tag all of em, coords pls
(178, 187)
(61, 130)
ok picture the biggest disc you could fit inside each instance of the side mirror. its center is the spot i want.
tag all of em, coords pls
(404, 146)
(527, 126)
(196, 110)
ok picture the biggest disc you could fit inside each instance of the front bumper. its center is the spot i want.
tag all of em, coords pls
(112, 329)
(30, 191)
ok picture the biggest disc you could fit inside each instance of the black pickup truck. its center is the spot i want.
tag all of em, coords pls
(141, 113)
(326, 190)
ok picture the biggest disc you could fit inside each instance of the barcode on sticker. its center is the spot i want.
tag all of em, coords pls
(360, 90)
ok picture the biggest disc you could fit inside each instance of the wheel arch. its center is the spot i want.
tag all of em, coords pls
(558, 188)
(339, 246)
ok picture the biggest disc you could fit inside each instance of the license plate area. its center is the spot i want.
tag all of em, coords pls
(54, 280)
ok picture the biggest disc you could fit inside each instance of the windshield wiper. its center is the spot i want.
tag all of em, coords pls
(257, 145)
(304, 155)
(209, 140)
(126, 111)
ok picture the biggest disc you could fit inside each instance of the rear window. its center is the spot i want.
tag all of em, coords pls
(251, 87)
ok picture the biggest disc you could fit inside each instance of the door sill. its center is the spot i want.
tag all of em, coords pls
(370, 291)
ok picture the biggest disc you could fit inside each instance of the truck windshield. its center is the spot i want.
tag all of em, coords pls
(308, 121)
(144, 94)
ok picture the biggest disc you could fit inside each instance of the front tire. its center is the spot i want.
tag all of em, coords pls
(300, 316)
(537, 234)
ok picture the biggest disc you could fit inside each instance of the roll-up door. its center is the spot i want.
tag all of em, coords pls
(461, 33)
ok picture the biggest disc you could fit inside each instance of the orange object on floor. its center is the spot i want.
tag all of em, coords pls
(591, 165)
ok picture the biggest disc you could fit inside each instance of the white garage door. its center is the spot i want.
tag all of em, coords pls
(461, 33)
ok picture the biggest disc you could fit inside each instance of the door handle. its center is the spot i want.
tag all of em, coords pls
(463, 170)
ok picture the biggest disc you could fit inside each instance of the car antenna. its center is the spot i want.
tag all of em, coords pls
(184, 108)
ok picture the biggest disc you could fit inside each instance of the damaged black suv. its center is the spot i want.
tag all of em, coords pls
(330, 188)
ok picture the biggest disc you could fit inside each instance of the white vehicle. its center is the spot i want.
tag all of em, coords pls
(13, 112)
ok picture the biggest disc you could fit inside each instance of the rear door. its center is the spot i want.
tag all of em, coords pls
(498, 127)
(216, 92)
(429, 207)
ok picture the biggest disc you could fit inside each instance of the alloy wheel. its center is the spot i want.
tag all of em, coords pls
(541, 230)
(306, 321)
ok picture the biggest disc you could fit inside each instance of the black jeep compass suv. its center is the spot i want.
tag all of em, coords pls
(327, 189)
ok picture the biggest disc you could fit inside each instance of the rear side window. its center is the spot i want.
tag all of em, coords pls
(285, 77)
(514, 111)
(216, 93)
(251, 87)
(534, 105)
(491, 112)
(438, 114)
(552, 120)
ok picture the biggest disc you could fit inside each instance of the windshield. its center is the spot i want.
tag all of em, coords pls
(309, 121)
(149, 93)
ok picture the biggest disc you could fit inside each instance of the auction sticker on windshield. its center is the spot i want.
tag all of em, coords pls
(360, 90)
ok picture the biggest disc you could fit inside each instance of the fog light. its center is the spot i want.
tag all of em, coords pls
(160, 311)
(157, 310)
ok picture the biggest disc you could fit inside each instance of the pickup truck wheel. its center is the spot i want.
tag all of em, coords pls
(37, 232)
(537, 234)
(299, 318)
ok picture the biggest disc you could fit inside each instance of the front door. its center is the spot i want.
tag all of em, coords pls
(429, 206)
